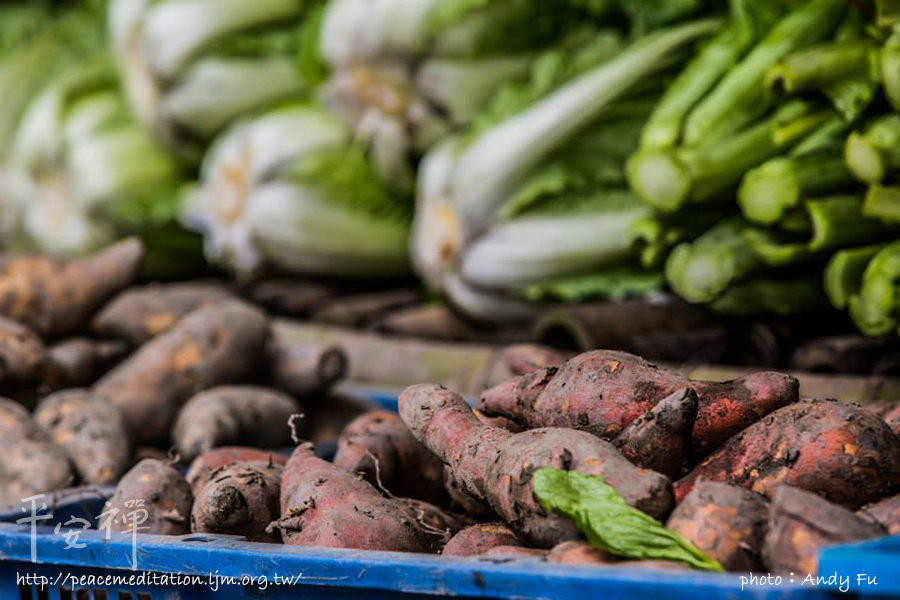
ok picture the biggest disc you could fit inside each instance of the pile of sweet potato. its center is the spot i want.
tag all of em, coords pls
(97, 372)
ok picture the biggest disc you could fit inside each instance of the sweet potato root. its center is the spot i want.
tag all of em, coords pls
(93, 433)
(207, 463)
(496, 466)
(325, 506)
(885, 512)
(80, 361)
(306, 369)
(380, 446)
(32, 466)
(602, 391)
(56, 297)
(838, 450)
(213, 345)
(23, 357)
(157, 488)
(801, 524)
(440, 525)
(726, 522)
(478, 539)
(661, 439)
(139, 314)
(233, 415)
(576, 552)
(240, 499)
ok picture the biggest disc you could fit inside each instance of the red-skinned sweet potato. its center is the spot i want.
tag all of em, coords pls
(726, 522)
(213, 345)
(157, 488)
(380, 446)
(438, 524)
(240, 499)
(893, 420)
(577, 552)
(325, 506)
(204, 465)
(838, 450)
(526, 358)
(602, 391)
(496, 466)
(885, 512)
(231, 415)
(801, 524)
(478, 539)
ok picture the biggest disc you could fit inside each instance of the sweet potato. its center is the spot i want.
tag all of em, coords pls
(327, 418)
(207, 463)
(16, 423)
(32, 466)
(838, 450)
(801, 524)
(157, 488)
(893, 420)
(661, 439)
(463, 503)
(438, 524)
(885, 512)
(496, 466)
(230, 415)
(139, 314)
(478, 539)
(56, 297)
(80, 361)
(380, 446)
(577, 552)
(501, 422)
(240, 499)
(23, 357)
(93, 433)
(602, 391)
(516, 552)
(526, 358)
(726, 522)
(213, 345)
(305, 369)
(323, 505)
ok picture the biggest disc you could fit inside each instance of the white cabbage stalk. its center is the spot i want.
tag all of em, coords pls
(462, 244)
(178, 85)
(75, 156)
(251, 213)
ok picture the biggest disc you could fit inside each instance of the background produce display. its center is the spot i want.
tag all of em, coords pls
(217, 217)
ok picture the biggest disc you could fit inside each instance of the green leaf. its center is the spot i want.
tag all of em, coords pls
(609, 523)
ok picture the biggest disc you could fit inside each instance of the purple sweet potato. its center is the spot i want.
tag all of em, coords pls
(33, 466)
(207, 463)
(886, 512)
(838, 450)
(602, 391)
(16, 422)
(230, 415)
(157, 488)
(496, 466)
(661, 439)
(801, 524)
(56, 297)
(240, 499)
(323, 505)
(478, 539)
(380, 446)
(306, 369)
(213, 345)
(139, 314)
(726, 522)
(80, 361)
(23, 357)
(93, 433)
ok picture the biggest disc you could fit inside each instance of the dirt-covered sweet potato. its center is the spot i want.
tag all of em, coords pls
(139, 314)
(660, 439)
(23, 357)
(216, 344)
(325, 506)
(838, 450)
(461, 502)
(496, 466)
(383, 449)
(801, 524)
(726, 522)
(16, 422)
(55, 297)
(80, 361)
(153, 497)
(478, 539)
(207, 463)
(885, 512)
(602, 391)
(93, 433)
(893, 420)
(32, 466)
(240, 499)
(231, 415)
(306, 369)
